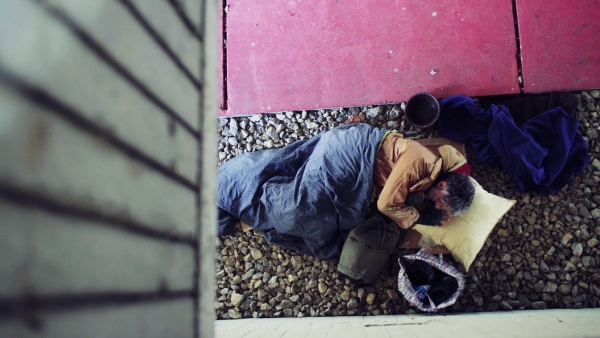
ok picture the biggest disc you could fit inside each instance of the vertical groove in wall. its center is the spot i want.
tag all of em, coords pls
(198, 252)
(160, 41)
(100, 193)
(35, 199)
(27, 305)
(518, 41)
(76, 119)
(185, 19)
(110, 60)
(207, 168)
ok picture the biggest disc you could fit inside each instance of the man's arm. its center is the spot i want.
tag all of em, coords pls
(408, 170)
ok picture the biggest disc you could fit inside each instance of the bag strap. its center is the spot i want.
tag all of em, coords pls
(415, 300)
(431, 303)
(454, 273)
(432, 247)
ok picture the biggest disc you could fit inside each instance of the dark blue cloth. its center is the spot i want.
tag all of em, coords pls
(306, 196)
(541, 155)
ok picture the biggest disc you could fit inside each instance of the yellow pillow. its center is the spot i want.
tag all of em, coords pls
(465, 234)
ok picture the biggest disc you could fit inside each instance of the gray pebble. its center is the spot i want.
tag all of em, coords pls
(586, 97)
(577, 249)
(565, 289)
(312, 125)
(323, 288)
(374, 112)
(236, 299)
(345, 295)
(505, 306)
(550, 287)
(570, 267)
(539, 305)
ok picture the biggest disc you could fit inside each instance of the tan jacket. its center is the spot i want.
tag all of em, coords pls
(403, 166)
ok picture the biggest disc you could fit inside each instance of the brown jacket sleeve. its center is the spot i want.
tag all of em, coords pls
(414, 166)
(451, 158)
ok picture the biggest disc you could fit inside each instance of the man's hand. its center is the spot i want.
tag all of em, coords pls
(431, 216)
(415, 198)
(354, 119)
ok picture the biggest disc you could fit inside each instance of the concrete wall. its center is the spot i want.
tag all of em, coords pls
(543, 323)
(106, 173)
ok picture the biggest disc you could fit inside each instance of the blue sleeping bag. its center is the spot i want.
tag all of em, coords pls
(306, 196)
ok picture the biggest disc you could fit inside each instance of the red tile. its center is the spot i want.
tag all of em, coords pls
(302, 54)
(560, 44)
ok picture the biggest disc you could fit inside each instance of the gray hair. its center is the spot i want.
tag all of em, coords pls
(459, 192)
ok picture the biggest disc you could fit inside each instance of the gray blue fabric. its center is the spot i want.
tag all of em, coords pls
(306, 196)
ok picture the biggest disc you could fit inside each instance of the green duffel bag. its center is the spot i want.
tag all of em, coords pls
(368, 246)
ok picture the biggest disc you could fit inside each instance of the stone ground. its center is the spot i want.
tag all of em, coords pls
(542, 254)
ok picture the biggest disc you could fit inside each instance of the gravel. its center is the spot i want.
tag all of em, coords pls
(543, 253)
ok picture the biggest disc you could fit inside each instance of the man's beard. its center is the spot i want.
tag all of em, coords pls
(431, 192)
(430, 195)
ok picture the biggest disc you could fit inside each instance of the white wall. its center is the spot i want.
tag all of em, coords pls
(108, 117)
(543, 323)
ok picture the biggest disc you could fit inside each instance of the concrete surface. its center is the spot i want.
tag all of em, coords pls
(542, 323)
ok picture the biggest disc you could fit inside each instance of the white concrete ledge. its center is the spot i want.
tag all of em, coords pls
(541, 323)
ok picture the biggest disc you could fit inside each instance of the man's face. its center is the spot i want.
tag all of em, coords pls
(436, 194)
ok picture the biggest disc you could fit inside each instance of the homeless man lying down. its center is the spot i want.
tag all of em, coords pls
(308, 195)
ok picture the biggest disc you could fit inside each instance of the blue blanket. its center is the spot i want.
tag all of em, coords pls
(541, 155)
(306, 196)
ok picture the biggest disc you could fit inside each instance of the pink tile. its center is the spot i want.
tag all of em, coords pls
(302, 54)
(560, 44)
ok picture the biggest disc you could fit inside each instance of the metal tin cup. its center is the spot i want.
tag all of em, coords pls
(422, 110)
